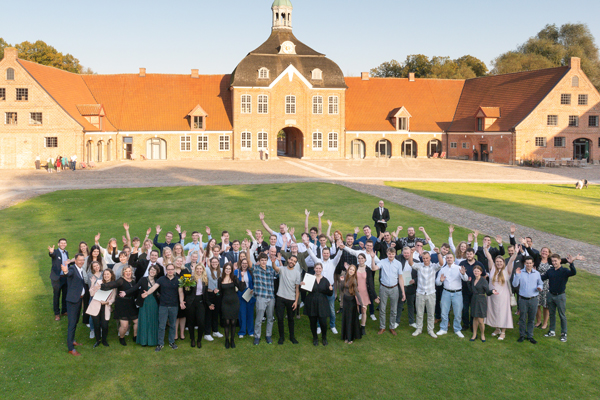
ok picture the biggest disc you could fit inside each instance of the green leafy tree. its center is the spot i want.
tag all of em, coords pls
(476, 65)
(465, 67)
(44, 54)
(419, 64)
(3, 45)
(391, 69)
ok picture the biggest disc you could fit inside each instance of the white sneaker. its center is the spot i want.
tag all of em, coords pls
(373, 317)
(334, 331)
(240, 336)
(301, 304)
(413, 326)
(318, 330)
(217, 334)
(187, 329)
(88, 325)
(208, 338)
(441, 332)
(458, 333)
(127, 333)
(92, 335)
(395, 325)
(433, 335)
(417, 332)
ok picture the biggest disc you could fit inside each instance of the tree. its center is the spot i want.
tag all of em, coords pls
(392, 69)
(419, 64)
(3, 45)
(465, 67)
(44, 54)
(514, 61)
(476, 65)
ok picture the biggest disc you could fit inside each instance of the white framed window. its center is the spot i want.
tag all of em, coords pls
(317, 140)
(10, 118)
(332, 141)
(223, 142)
(263, 73)
(197, 122)
(290, 104)
(453, 145)
(185, 143)
(317, 74)
(559, 141)
(246, 104)
(35, 118)
(263, 141)
(402, 124)
(246, 141)
(593, 120)
(10, 74)
(202, 142)
(333, 105)
(464, 145)
(573, 120)
(582, 100)
(540, 142)
(50, 142)
(22, 94)
(552, 120)
(575, 81)
(263, 104)
(565, 99)
(317, 104)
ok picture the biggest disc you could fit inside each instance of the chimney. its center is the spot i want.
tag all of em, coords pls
(195, 74)
(142, 72)
(10, 53)
(574, 62)
(364, 76)
(411, 76)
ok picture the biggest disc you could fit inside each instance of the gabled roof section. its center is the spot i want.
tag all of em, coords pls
(432, 103)
(67, 89)
(90, 109)
(516, 94)
(162, 102)
(489, 112)
(400, 112)
(197, 111)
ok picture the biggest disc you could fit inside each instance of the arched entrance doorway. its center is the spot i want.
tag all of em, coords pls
(290, 142)
(383, 148)
(100, 151)
(409, 149)
(581, 149)
(434, 146)
(156, 149)
(358, 149)
(89, 151)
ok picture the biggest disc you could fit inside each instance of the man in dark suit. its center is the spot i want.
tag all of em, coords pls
(381, 216)
(75, 292)
(233, 255)
(494, 252)
(59, 257)
(142, 266)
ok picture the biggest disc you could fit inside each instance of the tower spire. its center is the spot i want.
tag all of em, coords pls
(282, 14)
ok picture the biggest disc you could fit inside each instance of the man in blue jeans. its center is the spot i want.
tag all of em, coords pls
(169, 301)
(451, 277)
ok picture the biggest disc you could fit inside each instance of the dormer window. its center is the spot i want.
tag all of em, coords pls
(317, 74)
(263, 73)
(10, 74)
(486, 117)
(197, 119)
(400, 118)
(94, 114)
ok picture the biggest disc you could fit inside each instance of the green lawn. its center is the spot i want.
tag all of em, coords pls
(33, 351)
(558, 209)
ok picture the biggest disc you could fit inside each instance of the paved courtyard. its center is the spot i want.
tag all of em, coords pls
(362, 175)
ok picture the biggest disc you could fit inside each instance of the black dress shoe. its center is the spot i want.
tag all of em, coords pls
(122, 341)
(135, 339)
(232, 344)
(96, 344)
(193, 343)
(325, 342)
(521, 339)
(199, 344)
(532, 340)
(293, 340)
(104, 343)
(316, 342)
(226, 343)
(363, 331)
(281, 340)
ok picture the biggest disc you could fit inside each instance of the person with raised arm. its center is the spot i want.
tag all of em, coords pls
(460, 251)
(480, 289)
(469, 264)
(557, 299)
(494, 252)
(315, 231)
(288, 295)
(425, 292)
(316, 306)
(110, 252)
(371, 261)
(451, 277)
(196, 244)
(75, 291)
(58, 278)
(283, 230)
(411, 239)
(390, 280)
(195, 302)
(168, 239)
(530, 284)
(499, 313)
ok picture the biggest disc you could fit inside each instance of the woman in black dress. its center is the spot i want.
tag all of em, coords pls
(480, 288)
(125, 309)
(350, 322)
(230, 303)
(316, 304)
(195, 303)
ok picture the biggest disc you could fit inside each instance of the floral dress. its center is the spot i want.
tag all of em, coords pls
(542, 297)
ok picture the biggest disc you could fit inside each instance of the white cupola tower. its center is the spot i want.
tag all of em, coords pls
(282, 14)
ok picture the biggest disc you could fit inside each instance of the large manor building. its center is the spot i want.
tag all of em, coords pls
(286, 98)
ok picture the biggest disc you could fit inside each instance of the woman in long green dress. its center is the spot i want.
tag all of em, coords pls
(148, 313)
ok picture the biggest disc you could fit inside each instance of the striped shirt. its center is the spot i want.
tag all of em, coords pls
(426, 281)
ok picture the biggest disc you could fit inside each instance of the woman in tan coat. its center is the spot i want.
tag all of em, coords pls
(100, 310)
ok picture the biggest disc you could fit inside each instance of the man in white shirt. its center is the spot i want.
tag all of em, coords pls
(328, 271)
(282, 231)
(390, 279)
(425, 292)
(451, 276)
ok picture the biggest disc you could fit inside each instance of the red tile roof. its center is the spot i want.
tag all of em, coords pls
(66, 88)
(161, 102)
(515, 94)
(431, 102)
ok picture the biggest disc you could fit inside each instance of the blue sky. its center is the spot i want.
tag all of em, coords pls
(175, 36)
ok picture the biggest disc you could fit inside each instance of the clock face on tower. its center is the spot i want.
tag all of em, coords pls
(287, 47)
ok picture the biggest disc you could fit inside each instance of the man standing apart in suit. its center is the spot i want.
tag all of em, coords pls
(59, 257)
(381, 216)
(75, 292)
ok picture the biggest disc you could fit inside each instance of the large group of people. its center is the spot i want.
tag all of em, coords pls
(150, 286)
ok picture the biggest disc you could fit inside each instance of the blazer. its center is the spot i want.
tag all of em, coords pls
(75, 285)
(57, 262)
(142, 266)
(230, 256)
(95, 306)
(377, 215)
(190, 295)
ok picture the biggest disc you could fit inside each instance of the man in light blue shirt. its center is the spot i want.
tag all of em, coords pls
(530, 284)
(390, 276)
